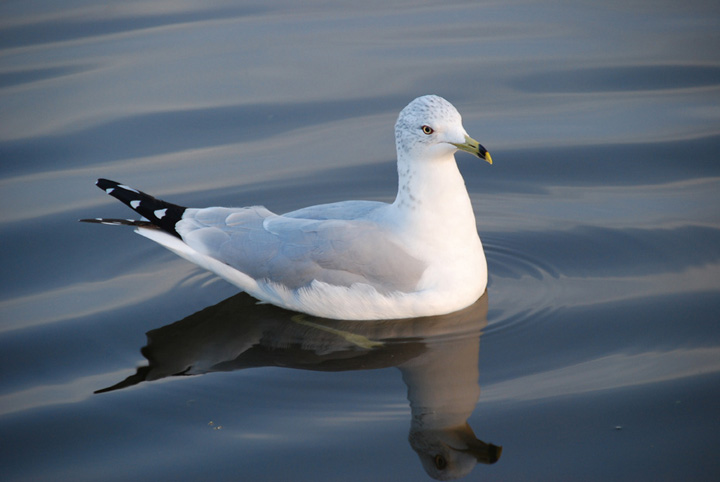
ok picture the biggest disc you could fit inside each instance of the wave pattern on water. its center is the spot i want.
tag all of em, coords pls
(599, 218)
(622, 78)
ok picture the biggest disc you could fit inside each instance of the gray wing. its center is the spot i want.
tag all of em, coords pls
(293, 250)
(347, 210)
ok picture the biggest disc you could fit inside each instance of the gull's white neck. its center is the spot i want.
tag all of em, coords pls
(432, 198)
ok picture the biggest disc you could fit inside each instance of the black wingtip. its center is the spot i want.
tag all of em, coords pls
(159, 213)
(108, 185)
(119, 222)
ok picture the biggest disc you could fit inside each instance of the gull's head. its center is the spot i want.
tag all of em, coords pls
(430, 127)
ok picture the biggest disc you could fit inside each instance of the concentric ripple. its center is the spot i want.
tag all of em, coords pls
(514, 270)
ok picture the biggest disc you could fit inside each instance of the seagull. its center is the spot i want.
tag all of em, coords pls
(352, 260)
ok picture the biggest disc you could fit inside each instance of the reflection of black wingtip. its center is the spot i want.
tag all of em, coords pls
(139, 376)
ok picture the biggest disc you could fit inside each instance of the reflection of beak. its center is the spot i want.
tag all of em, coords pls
(473, 147)
(483, 452)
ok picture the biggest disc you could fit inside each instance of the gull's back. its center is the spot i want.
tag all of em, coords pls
(339, 244)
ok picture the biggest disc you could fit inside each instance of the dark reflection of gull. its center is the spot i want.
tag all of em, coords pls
(438, 358)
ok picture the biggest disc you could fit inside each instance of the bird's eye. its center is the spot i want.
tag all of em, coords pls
(427, 130)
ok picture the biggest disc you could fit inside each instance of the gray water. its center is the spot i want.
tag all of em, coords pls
(594, 355)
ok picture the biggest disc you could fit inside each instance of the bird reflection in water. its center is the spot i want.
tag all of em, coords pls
(437, 356)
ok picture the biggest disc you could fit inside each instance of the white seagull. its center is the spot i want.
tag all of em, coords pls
(351, 260)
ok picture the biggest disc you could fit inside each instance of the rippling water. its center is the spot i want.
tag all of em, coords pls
(595, 354)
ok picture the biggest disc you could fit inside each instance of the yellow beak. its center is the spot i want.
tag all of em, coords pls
(473, 147)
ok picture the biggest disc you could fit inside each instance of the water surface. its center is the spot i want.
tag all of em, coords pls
(594, 355)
